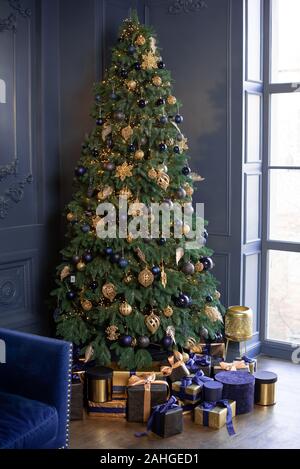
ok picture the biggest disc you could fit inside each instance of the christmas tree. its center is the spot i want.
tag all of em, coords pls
(122, 293)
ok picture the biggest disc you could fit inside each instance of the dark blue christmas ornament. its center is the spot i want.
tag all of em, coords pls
(115, 257)
(100, 121)
(163, 119)
(143, 341)
(186, 170)
(209, 299)
(161, 64)
(176, 149)
(75, 259)
(160, 102)
(182, 301)
(155, 270)
(125, 340)
(205, 234)
(98, 98)
(142, 103)
(80, 171)
(167, 342)
(71, 295)
(207, 263)
(131, 49)
(95, 152)
(179, 137)
(181, 193)
(113, 96)
(123, 263)
(162, 147)
(85, 228)
(137, 66)
(162, 241)
(108, 251)
(178, 119)
(87, 257)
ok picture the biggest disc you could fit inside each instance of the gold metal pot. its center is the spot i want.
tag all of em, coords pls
(238, 323)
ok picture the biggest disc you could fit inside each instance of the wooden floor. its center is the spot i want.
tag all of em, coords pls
(267, 427)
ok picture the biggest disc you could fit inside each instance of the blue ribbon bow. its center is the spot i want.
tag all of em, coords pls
(158, 409)
(248, 359)
(207, 406)
(195, 361)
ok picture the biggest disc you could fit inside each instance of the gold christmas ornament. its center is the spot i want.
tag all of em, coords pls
(189, 190)
(163, 277)
(126, 132)
(168, 311)
(163, 180)
(129, 238)
(213, 313)
(217, 295)
(199, 267)
(140, 40)
(125, 309)
(149, 61)
(105, 193)
(124, 171)
(125, 192)
(146, 277)
(190, 343)
(140, 254)
(86, 305)
(112, 332)
(153, 44)
(156, 80)
(152, 323)
(65, 272)
(185, 357)
(238, 323)
(139, 155)
(70, 216)
(186, 229)
(109, 291)
(183, 145)
(128, 278)
(133, 342)
(131, 85)
(171, 100)
(152, 173)
(80, 266)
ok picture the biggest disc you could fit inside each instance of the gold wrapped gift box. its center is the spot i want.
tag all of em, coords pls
(112, 409)
(192, 393)
(120, 379)
(216, 416)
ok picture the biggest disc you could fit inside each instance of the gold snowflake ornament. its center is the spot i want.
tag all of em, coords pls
(124, 171)
(149, 61)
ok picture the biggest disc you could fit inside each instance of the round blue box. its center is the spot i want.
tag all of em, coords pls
(239, 387)
(212, 391)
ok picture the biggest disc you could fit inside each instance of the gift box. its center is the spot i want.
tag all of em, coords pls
(76, 411)
(212, 391)
(187, 407)
(167, 419)
(216, 414)
(189, 389)
(238, 386)
(99, 384)
(112, 409)
(251, 362)
(143, 393)
(198, 362)
(176, 370)
(120, 380)
(216, 350)
(237, 365)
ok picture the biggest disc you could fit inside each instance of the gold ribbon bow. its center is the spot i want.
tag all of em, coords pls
(234, 366)
(146, 380)
(175, 362)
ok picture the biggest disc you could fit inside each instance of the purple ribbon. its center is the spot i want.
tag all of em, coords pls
(248, 359)
(208, 406)
(158, 409)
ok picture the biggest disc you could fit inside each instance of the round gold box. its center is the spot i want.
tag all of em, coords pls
(99, 384)
(238, 323)
(265, 388)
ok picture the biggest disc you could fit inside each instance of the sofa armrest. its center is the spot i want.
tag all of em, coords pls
(39, 368)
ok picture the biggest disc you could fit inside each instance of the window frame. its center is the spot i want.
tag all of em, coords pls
(270, 346)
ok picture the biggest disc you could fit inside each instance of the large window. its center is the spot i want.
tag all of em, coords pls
(281, 234)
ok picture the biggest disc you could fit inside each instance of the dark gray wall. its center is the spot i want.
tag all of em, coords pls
(69, 48)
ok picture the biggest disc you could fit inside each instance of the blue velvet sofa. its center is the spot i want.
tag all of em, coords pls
(35, 388)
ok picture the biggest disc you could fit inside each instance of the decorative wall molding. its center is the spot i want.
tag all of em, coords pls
(10, 22)
(186, 6)
(14, 194)
(9, 169)
(8, 290)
